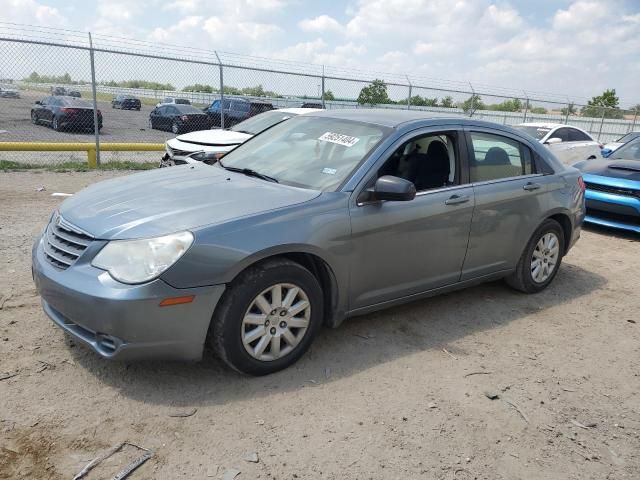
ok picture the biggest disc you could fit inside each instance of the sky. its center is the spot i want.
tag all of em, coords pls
(576, 48)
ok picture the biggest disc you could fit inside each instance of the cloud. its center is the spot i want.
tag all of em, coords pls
(301, 52)
(31, 12)
(322, 23)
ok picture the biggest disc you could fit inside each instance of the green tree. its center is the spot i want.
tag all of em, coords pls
(373, 94)
(539, 110)
(569, 109)
(513, 105)
(328, 95)
(473, 103)
(608, 104)
(199, 88)
(447, 102)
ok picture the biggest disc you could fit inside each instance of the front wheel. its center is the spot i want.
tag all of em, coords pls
(151, 124)
(175, 128)
(55, 124)
(540, 260)
(34, 118)
(267, 318)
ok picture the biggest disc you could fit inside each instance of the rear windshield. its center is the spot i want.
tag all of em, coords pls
(261, 122)
(186, 108)
(536, 132)
(628, 137)
(183, 101)
(74, 102)
(629, 151)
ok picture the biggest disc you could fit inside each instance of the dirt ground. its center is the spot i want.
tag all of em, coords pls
(399, 394)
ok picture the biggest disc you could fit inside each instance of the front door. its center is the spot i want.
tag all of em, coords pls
(405, 248)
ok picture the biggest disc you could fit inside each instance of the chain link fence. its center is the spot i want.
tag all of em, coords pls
(62, 86)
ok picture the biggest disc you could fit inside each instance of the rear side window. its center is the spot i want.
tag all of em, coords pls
(494, 157)
(561, 133)
(226, 104)
(578, 136)
(241, 107)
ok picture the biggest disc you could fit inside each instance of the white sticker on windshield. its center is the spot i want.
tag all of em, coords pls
(340, 139)
(329, 171)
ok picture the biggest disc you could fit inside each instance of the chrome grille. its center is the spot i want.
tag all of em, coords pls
(64, 243)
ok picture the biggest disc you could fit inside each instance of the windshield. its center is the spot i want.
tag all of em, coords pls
(308, 152)
(629, 151)
(261, 122)
(536, 132)
(628, 137)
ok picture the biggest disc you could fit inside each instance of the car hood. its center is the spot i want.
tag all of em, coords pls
(180, 198)
(214, 137)
(623, 169)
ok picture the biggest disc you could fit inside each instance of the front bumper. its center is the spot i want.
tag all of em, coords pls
(612, 210)
(124, 322)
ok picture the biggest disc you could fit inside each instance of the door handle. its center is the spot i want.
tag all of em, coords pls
(530, 186)
(457, 199)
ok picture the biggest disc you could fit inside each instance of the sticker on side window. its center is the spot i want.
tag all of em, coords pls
(339, 138)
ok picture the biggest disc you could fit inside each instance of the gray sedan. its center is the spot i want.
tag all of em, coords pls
(322, 217)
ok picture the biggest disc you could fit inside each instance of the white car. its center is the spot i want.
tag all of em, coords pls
(209, 145)
(611, 147)
(570, 144)
(174, 101)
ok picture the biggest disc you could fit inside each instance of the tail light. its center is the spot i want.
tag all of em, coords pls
(70, 110)
(583, 187)
(184, 118)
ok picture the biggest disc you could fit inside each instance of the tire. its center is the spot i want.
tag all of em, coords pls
(175, 128)
(54, 124)
(138, 109)
(229, 333)
(524, 278)
(34, 118)
(151, 124)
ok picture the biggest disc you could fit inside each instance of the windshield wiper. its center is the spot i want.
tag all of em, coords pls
(245, 131)
(250, 173)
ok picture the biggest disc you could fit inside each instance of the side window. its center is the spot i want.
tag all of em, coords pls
(215, 105)
(494, 157)
(429, 161)
(561, 133)
(172, 111)
(241, 107)
(226, 104)
(576, 135)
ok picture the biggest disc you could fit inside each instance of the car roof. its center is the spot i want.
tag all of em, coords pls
(383, 116)
(299, 110)
(543, 125)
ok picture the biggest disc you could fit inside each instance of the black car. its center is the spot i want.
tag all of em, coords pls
(236, 110)
(64, 112)
(126, 102)
(311, 105)
(58, 91)
(74, 93)
(178, 118)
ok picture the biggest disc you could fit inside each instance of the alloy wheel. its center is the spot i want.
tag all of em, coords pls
(545, 257)
(275, 322)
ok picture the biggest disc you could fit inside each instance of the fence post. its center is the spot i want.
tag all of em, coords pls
(221, 91)
(409, 97)
(601, 123)
(566, 117)
(635, 117)
(96, 128)
(526, 107)
(323, 106)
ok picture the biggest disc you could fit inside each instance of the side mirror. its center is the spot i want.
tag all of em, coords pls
(392, 188)
(38, 102)
(605, 152)
(553, 141)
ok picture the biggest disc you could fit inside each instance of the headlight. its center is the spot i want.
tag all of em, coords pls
(206, 157)
(138, 261)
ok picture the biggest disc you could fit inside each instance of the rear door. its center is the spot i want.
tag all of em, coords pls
(509, 200)
(583, 146)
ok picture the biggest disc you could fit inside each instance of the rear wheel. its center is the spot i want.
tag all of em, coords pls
(175, 128)
(267, 318)
(540, 260)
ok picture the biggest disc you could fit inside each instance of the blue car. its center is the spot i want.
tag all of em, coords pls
(613, 188)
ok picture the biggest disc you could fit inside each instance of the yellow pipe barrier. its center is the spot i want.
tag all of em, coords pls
(90, 148)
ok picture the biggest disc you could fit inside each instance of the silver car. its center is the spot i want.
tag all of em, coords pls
(322, 217)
